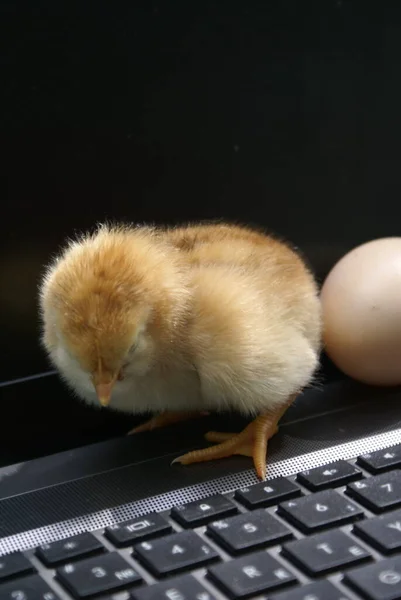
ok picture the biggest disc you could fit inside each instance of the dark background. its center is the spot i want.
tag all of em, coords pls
(281, 113)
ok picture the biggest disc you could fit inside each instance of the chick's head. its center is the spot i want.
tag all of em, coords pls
(108, 304)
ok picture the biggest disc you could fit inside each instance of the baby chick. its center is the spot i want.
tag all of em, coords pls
(183, 321)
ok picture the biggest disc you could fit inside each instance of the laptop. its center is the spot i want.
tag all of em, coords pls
(114, 519)
(281, 114)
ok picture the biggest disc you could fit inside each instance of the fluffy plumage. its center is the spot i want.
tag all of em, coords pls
(204, 317)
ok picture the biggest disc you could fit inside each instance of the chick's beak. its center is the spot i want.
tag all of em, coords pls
(103, 391)
(104, 387)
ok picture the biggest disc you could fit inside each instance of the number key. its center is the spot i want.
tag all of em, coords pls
(97, 575)
(27, 588)
(249, 530)
(378, 493)
(174, 553)
(320, 510)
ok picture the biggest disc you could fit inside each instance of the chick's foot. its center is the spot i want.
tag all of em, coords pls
(166, 418)
(252, 442)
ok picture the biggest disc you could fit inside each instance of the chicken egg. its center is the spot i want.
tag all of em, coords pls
(361, 301)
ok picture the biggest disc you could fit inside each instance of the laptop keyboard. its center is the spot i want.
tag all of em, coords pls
(331, 533)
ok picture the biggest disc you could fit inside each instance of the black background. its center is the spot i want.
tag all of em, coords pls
(281, 113)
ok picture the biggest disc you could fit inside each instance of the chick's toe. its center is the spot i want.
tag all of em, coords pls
(166, 418)
(252, 442)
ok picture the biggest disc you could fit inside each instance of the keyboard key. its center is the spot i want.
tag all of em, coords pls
(329, 476)
(174, 553)
(27, 588)
(201, 512)
(97, 575)
(326, 552)
(251, 575)
(378, 493)
(383, 533)
(136, 530)
(382, 460)
(320, 510)
(13, 565)
(74, 547)
(381, 581)
(249, 530)
(180, 588)
(321, 590)
(268, 493)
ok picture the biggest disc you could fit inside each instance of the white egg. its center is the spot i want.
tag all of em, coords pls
(361, 299)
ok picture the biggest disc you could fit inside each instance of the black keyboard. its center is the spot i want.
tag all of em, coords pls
(331, 533)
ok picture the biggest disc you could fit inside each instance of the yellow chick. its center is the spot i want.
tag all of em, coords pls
(183, 321)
